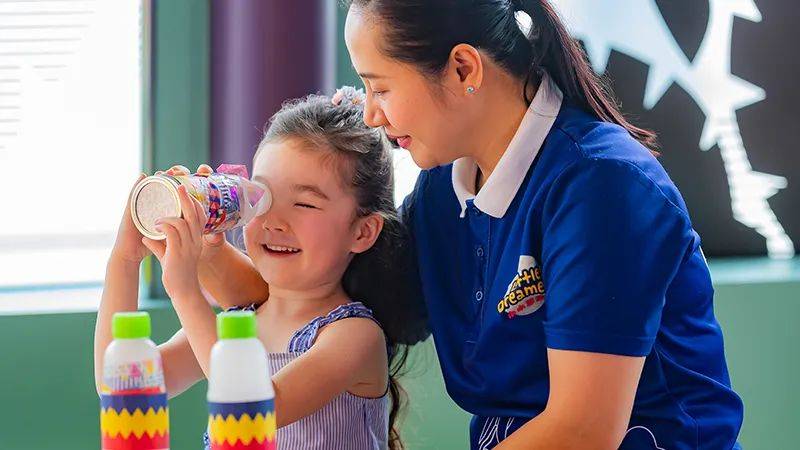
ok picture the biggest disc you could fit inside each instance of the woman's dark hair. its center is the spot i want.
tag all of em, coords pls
(423, 33)
(385, 277)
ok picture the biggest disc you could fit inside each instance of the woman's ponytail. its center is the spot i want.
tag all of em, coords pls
(556, 52)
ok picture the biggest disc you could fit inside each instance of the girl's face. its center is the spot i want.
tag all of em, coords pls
(427, 115)
(307, 237)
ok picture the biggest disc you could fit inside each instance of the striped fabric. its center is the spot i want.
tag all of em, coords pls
(348, 422)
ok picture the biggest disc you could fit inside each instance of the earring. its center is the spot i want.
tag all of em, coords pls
(470, 89)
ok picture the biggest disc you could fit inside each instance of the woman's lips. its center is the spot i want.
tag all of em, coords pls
(404, 142)
(401, 141)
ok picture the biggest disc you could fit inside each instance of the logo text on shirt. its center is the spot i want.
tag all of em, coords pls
(525, 294)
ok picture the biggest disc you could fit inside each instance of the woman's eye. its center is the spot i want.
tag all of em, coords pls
(378, 93)
(305, 205)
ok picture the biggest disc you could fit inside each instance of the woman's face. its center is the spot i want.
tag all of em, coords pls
(306, 238)
(424, 115)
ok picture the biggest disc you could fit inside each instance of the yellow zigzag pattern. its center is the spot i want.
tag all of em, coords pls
(137, 423)
(244, 429)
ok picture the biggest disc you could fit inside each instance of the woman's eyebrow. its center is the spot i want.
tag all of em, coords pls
(371, 76)
(310, 188)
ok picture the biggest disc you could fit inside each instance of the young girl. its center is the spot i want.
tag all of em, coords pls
(568, 295)
(334, 336)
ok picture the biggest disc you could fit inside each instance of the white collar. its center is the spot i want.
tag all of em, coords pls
(500, 189)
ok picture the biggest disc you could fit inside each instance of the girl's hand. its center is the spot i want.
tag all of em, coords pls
(180, 254)
(128, 247)
(212, 243)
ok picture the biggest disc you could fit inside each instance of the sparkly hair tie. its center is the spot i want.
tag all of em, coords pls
(348, 95)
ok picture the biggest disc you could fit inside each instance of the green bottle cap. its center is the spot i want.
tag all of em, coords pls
(236, 325)
(131, 325)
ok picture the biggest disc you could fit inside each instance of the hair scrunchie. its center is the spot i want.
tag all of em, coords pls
(348, 95)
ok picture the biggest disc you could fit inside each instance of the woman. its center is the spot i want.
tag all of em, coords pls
(569, 299)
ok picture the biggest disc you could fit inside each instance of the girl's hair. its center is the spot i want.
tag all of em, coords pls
(385, 277)
(423, 33)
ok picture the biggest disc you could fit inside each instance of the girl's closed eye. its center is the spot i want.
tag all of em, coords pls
(304, 193)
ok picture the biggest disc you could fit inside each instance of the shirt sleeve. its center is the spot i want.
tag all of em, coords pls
(612, 243)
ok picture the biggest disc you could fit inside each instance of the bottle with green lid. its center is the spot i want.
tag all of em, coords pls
(240, 386)
(133, 400)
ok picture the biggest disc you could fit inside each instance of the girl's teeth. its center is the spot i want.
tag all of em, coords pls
(276, 248)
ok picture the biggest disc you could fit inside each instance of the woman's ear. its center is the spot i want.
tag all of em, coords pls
(367, 230)
(465, 69)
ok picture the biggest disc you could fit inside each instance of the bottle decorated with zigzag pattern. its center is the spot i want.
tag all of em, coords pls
(240, 394)
(133, 400)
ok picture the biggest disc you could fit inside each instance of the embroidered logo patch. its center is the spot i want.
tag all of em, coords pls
(525, 294)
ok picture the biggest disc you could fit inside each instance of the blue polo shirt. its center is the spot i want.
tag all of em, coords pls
(577, 241)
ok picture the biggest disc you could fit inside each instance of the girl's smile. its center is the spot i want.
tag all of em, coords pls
(279, 250)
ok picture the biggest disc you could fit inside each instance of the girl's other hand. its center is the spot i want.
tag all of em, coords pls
(180, 254)
(212, 243)
(128, 246)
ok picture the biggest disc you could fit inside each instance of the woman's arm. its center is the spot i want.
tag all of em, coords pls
(590, 403)
(348, 355)
(230, 277)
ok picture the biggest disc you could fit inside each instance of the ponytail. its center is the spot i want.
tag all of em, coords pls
(556, 52)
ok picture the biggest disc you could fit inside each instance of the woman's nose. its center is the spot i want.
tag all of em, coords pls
(373, 114)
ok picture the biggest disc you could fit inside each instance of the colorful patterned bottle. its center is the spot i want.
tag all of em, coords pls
(133, 400)
(240, 394)
(229, 198)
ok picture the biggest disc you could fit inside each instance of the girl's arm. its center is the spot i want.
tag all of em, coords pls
(121, 294)
(348, 355)
(181, 370)
(229, 276)
(590, 403)
(199, 331)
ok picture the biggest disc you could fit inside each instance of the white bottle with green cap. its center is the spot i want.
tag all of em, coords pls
(133, 400)
(239, 386)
